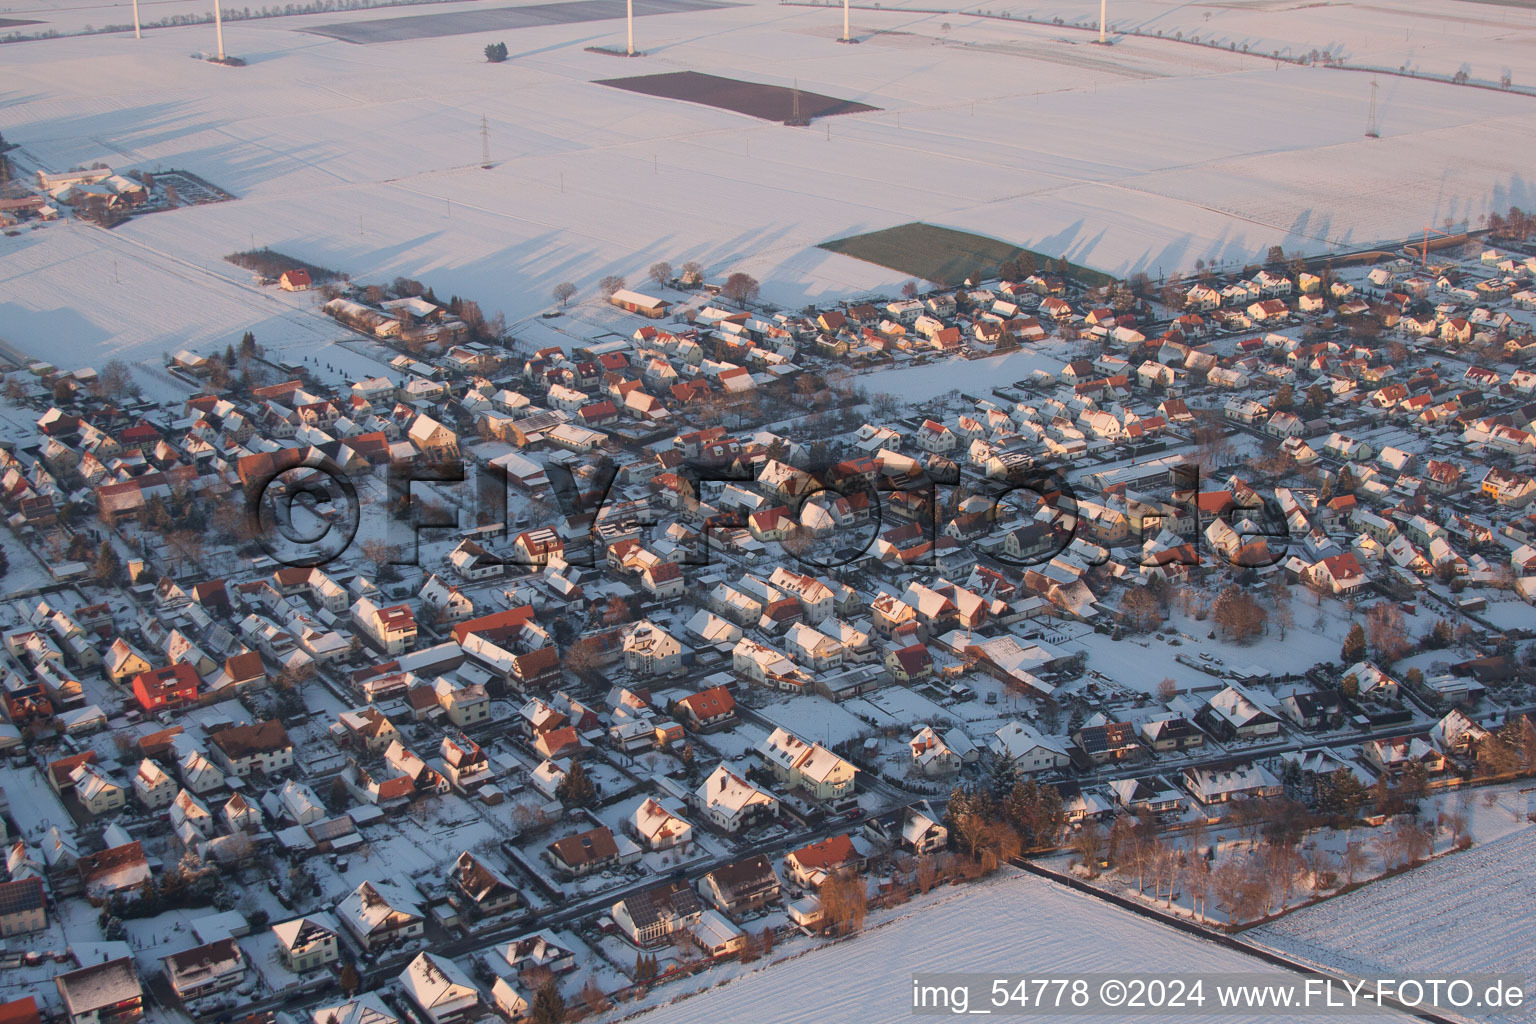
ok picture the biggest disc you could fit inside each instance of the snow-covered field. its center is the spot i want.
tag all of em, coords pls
(1146, 156)
(1469, 912)
(1429, 37)
(1014, 923)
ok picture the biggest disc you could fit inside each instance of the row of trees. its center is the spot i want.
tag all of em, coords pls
(1236, 611)
(1383, 635)
(1261, 880)
(740, 288)
(1516, 224)
(1005, 816)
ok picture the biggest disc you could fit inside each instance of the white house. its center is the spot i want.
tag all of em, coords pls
(1027, 749)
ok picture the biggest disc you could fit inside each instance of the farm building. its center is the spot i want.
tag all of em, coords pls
(635, 302)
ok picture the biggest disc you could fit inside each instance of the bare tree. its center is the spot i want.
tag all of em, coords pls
(584, 659)
(1226, 882)
(1196, 873)
(113, 380)
(1353, 860)
(970, 832)
(592, 995)
(1282, 864)
(1140, 609)
(845, 901)
(1195, 835)
(740, 288)
(1122, 832)
(1256, 896)
(1282, 616)
(1136, 860)
(1455, 822)
(1214, 444)
(1000, 844)
(927, 873)
(1385, 631)
(187, 546)
(1238, 614)
(564, 291)
(1418, 840)
(610, 284)
(1088, 842)
(1323, 866)
(379, 553)
(1389, 846)
(661, 272)
(1165, 871)
(1245, 815)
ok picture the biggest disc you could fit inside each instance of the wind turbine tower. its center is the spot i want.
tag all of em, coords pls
(629, 8)
(136, 33)
(218, 27)
(1103, 22)
(846, 34)
(1370, 123)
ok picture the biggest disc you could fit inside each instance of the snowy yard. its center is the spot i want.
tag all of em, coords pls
(26, 572)
(815, 719)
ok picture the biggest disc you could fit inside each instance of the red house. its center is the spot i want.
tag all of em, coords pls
(167, 687)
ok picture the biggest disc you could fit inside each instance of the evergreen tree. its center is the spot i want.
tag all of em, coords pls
(548, 1007)
(1001, 774)
(576, 790)
(1340, 792)
(108, 565)
(1353, 650)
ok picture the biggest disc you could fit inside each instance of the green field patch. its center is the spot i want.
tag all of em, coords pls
(946, 256)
